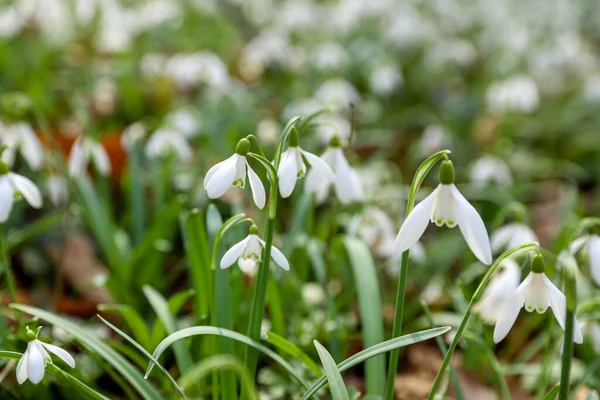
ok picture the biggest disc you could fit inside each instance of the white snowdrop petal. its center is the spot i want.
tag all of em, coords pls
(508, 316)
(9, 155)
(211, 172)
(472, 227)
(279, 258)
(7, 194)
(344, 185)
(287, 174)
(35, 363)
(222, 179)
(577, 244)
(22, 369)
(77, 158)
(357, 189)
(31, 148)
(27, 188)
(594, 257)
(558, 302)
(181, 147)
(101, 159)
(60, 353)
(415, 224)
(500, 237)
(577, 333)
(257, 187)
(321, 167)
(233, 254)
(248, 266)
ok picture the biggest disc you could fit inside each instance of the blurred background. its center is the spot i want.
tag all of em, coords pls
(511, 87)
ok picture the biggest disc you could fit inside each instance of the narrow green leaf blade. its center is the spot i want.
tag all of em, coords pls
(291, 349)
(551, 395)
(133, 319)
(333, 375)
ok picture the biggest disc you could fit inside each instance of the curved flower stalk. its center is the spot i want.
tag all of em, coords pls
(511, 235)
(32, 365)
(446, 206)
(347, 185)
(248, 254)
(498, 294)
(21, 137)
(293, 166)
(85, 150)
(589, 246)
(231, 173)
(536, 292)
(166, 141)
(12, 184)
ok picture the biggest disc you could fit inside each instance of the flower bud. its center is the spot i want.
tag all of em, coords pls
(335, 141)
(447, 173)
(243, 147)
(538, 266)
(253, 230)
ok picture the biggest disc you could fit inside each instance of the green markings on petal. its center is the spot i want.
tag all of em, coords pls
(239, 182)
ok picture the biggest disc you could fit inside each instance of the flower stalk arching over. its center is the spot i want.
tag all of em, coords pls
(12, 184)
(446, 206)
(248, 254)
(85, 150)
(32, 365)
(536, 292)
(293, 166)
(232, 172)
(21, 137)
(348, 188)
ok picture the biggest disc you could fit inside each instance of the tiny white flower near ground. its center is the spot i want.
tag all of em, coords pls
(346, 183)
(12, 184)
(446, 206)
(536, 292)
(21, 137)
(248, 254)
(511, 235)
(293, 166)
(57, 189)
(32, 364)
(589, 245)
(490, 170)
(497, 295)
(85, 150)
(166, 141)
(231, 173)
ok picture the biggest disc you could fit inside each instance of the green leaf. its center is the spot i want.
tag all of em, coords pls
(420, 176)
(369, 302)
(144, 352)
(133, 319)
(375, 351)
(211, 330)
(551, 395)
(333, 375)
(291, 349)
(102, 350)
(18, 237)
(178, 300)
(220, 362)
(161, 308)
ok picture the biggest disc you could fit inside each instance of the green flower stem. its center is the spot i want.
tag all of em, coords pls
(567, 355)
(478, 293)
(5, 265)
(395, 354)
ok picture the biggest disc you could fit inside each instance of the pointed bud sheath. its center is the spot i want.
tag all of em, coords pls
(4, 168)
(447, 173)
(293, 139)
(32, 335)
(253, 230)
(243, 147)
(335, 142)
(538, 265)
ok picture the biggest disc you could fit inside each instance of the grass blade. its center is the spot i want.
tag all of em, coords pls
(551, 395)
(133, 319)
(291, 349)
(333, 375)
(125, 369)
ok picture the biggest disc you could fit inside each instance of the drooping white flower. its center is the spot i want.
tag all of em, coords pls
(512, 235)
(292, 166)
(248, 254)
(185, 121)
(589, 245)
(490, 170)
(231, 173)
(85, 149)
(12, 184)
(497, 294)
(376, 229)
(57, 189)
(165, 141)
(338, 93)
(21, 137)
(536, 292)
(132, 134)
(446, 206)
(32, 364)
(347, 185)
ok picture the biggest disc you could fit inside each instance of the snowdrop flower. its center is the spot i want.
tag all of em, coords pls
(57, 190)
(512, 235)
(231, 173)
(536, 292)
(32, 364)
(497, 294)
(21, 137)
(293, 167)
(132, 134)
(338, 93)
(166, 141)
(185, 121)
(12, 184)
(248, 254)
(434, 138)
(446, 205)
(82, 151)
(376, 229)
(385, 79)
(518, 93)
(347, 185)
(589, 245)
(490, 170)
(592, 330)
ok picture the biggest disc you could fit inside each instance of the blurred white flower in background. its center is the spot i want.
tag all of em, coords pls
(185, 120)
(268, 131)
(589, 245)
(12, 184)
(85, 150)
(433, 139)
(297, 15)
(57, 188)
(105, 96)
(376, 229)
(591, 88)
(189, 70)
(22, 138)
(338, 93)
(269, 48)
(166, 141)
(11, 22)
(591, 329)
(313, 294)
(517, 93)
(329, 126)
(330, 56)
(512, 235)
(131, 134)
(497, 294)
(385, 79)
(301, 106)
(490, 170)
